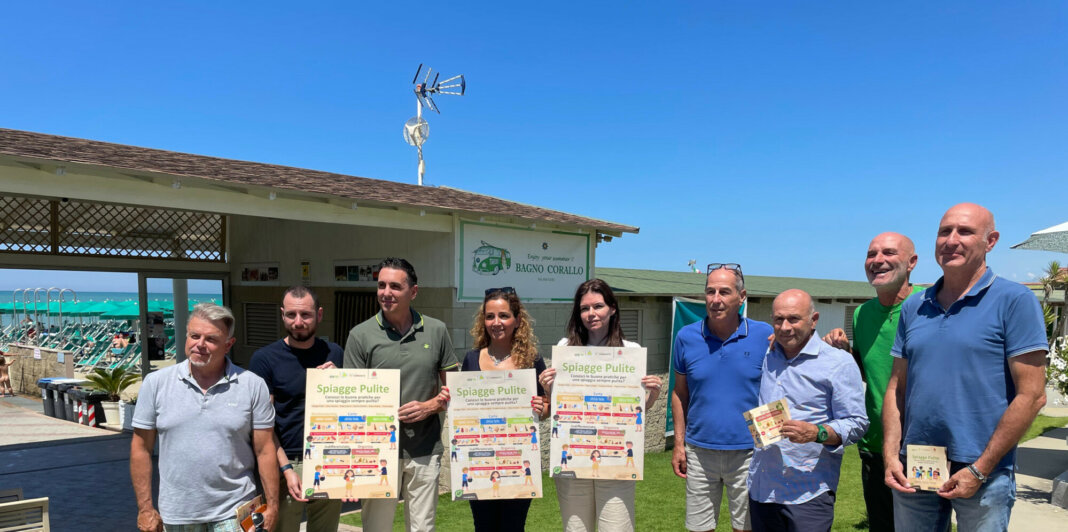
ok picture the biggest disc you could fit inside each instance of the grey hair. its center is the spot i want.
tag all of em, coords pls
(213, 312)
(739, 281)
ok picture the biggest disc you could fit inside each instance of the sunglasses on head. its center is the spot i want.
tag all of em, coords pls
(732, 266)
(503, 290)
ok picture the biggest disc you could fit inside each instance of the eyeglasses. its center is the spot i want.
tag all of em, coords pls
(732, 266)
(503, 290)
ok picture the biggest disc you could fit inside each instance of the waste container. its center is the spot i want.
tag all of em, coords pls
(64, 401)
(79, 396)
(58, 406)
(48, 397)
(94, 416)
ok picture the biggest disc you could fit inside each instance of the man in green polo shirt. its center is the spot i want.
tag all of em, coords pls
(891, 258)
(401, 338)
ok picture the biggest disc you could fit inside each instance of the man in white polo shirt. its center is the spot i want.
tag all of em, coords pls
(215, 422)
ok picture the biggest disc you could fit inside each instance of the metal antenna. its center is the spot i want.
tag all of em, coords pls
(416, 129)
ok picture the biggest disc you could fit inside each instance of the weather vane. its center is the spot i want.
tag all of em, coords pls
(416, 130)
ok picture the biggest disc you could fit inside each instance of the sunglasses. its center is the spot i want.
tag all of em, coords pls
(732, 266)
(503, 290)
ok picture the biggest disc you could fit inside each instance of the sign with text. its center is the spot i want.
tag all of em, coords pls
(926, 466)
(542, 266)
(765, 422)
(493, 440)
(597, 423)
(350, 434)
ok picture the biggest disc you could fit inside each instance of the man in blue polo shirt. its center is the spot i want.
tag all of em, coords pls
(969, 375)
(717, 365)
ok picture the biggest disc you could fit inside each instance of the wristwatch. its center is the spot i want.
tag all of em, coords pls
(975, 472)
(822, 435)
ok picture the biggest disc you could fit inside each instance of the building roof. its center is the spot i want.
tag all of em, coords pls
(1056, 297)
(663, 283)
(38, 146)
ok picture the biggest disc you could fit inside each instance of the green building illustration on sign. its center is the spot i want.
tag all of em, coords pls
(490, 260)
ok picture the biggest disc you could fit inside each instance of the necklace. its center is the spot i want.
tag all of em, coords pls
(498, 361)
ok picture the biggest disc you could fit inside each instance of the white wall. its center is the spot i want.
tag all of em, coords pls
(289, 242)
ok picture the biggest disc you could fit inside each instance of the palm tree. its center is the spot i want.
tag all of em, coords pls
(1054, 278)
(112, 381)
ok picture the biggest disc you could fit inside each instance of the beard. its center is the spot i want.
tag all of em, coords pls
(301, 336)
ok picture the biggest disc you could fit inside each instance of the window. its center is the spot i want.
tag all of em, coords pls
(351, 309)
(630, 320)
(261, 324)
(849, 311)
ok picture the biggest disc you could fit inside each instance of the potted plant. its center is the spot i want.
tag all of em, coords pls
(112, 382)
(126, 412)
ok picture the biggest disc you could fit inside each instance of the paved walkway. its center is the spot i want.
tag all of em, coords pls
(85, 472)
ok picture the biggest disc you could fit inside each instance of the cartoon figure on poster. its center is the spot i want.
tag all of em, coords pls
(350, 438)
(599, 418)
(494, 446)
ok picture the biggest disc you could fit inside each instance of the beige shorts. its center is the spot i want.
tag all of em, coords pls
(419, 487)
(587, 505)
(708, 471)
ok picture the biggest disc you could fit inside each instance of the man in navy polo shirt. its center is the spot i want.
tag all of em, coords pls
(969, 375)
(717, 365)
(283, 365)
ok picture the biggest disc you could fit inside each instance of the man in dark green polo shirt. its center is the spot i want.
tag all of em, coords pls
(891, 258)
(401, 338)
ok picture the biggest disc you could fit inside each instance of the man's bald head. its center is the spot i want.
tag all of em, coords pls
(982, 216)
(891, 258)
(965, 235)
(794, 297)
(898, 240)
(794, 319)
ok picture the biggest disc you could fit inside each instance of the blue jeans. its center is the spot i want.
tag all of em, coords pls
(986, 511)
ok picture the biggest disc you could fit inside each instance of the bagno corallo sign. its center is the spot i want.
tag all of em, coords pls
(542, 266)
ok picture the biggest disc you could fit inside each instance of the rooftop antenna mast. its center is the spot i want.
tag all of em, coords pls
(416, 130)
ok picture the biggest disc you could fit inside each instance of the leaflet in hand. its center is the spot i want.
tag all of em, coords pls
(765, 422)
(597, 407)
(350, 434)
(494, 435)
(926, 466)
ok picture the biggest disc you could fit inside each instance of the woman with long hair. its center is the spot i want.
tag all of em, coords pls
(504, 339)
(597, 504)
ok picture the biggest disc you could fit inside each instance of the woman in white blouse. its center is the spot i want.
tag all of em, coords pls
(588, 504)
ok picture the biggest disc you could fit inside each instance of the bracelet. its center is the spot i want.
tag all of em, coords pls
(283, 469)
(975, 472)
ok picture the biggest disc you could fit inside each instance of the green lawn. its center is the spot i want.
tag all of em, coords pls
(661, 497)
(1042, 425)
(660, 502)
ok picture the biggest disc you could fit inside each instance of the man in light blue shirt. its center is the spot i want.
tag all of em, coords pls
(792, 482)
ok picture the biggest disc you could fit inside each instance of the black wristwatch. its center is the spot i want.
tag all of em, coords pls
(822, 435)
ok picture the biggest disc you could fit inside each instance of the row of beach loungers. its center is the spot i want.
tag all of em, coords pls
(89, 343)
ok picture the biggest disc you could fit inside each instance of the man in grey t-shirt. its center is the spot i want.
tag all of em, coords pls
(215, 423)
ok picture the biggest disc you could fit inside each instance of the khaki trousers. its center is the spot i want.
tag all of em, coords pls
(323, 514)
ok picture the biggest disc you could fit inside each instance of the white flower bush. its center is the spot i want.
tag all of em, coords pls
(1057, 371)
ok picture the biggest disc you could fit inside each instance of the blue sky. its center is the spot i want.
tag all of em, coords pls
(781, 135)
